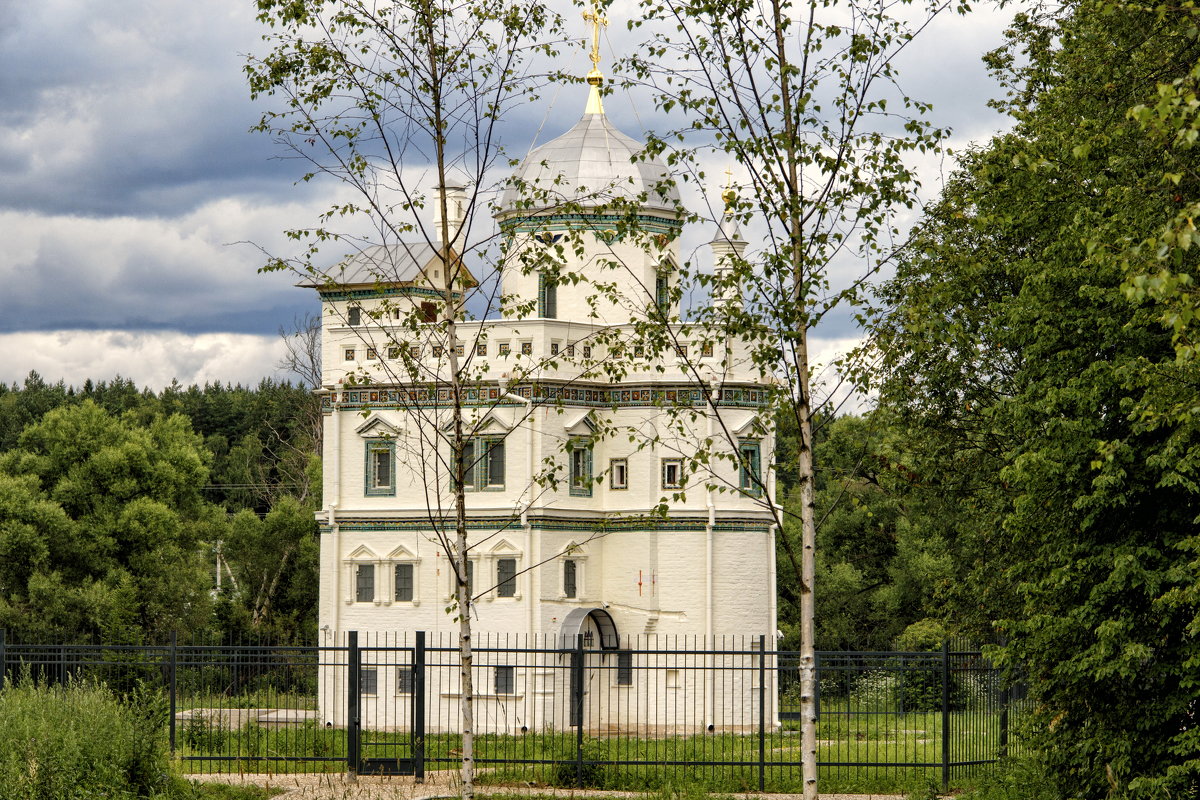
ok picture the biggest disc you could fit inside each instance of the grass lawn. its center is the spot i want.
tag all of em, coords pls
(859, 753)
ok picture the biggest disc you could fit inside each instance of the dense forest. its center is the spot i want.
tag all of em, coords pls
(119, 506)
(126, 514)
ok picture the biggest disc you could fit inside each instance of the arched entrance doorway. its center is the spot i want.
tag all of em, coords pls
(589, 633)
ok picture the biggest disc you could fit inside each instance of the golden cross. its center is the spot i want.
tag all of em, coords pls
(597, 19)
(729, 195)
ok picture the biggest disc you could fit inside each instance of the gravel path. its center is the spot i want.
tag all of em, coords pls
(442, 784)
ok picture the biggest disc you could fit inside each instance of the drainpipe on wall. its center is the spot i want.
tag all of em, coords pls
(710, 703)
(335, 533)
(334, 492)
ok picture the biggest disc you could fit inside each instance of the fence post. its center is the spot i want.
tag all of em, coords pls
(418, 708)
(3, 655)
(577, 675)
(174, 654)
(945, 716)
(1005, 698)
(353, 701)
(762, 712)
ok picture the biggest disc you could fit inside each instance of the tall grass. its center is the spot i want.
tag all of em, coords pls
(79, 741)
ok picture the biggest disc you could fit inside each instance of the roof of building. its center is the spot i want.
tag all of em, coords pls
(592, 164)
(400, 263)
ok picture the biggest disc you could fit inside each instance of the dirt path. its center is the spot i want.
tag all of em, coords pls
(443, 784)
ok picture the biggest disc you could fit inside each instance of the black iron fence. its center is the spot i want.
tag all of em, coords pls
(636, 713)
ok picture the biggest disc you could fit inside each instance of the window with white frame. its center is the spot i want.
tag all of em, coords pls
(364, 583)
(404, 680)
(618, 473)
(624, 668)
(504, 680)
(570, 578)
(380, 468)
(368, 680)
(506, 577)
(470, 577)
(581, 468)
(405, 582)
(355, 315)
(672, 473)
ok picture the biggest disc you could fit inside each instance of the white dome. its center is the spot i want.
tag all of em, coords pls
(592, 164)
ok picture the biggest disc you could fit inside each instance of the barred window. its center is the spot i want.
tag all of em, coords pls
(368, 680)
(570, 578)
(404, 583)
(625, 668)
(505, 680)
(506, 577)
(364, 583)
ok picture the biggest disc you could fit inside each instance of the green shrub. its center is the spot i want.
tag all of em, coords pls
(78, 741)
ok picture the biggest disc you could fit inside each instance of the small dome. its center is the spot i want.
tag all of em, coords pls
(593, 163)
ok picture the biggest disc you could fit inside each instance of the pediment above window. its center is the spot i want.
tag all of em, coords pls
(494, 422)
(503, 547)
(743, 423)
(375, 426)
(362, 553)
(582, 423)
(402, 553)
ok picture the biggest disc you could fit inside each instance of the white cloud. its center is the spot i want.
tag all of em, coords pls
(150, 359)
(827, 384)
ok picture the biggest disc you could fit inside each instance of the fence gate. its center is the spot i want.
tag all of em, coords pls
(386, 707)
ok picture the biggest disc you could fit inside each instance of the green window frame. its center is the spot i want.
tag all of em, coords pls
(547, 297)
(662, 292)
(580, 456)
(484, 464)
(750, 466)
(379, 478)
(672, 473)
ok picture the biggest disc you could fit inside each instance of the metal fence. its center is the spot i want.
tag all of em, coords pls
(636, 713)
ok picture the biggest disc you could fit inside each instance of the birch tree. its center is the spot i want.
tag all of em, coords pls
(803, 99)
(397, 103)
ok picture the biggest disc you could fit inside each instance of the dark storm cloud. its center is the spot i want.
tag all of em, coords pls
(145, 279)
(128, 108)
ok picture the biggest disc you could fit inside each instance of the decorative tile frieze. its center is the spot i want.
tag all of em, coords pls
(623, 396)
(588, 525)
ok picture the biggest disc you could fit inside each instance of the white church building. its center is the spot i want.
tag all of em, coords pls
(588, 554)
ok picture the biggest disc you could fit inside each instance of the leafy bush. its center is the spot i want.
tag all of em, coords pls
(875, 690)
(78, 740)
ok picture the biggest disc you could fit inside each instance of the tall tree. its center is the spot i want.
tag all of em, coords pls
(401, 104)
(1037, 383)
(109, 516)
(803, 98)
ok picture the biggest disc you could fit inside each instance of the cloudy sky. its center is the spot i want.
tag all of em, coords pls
(134, 203)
